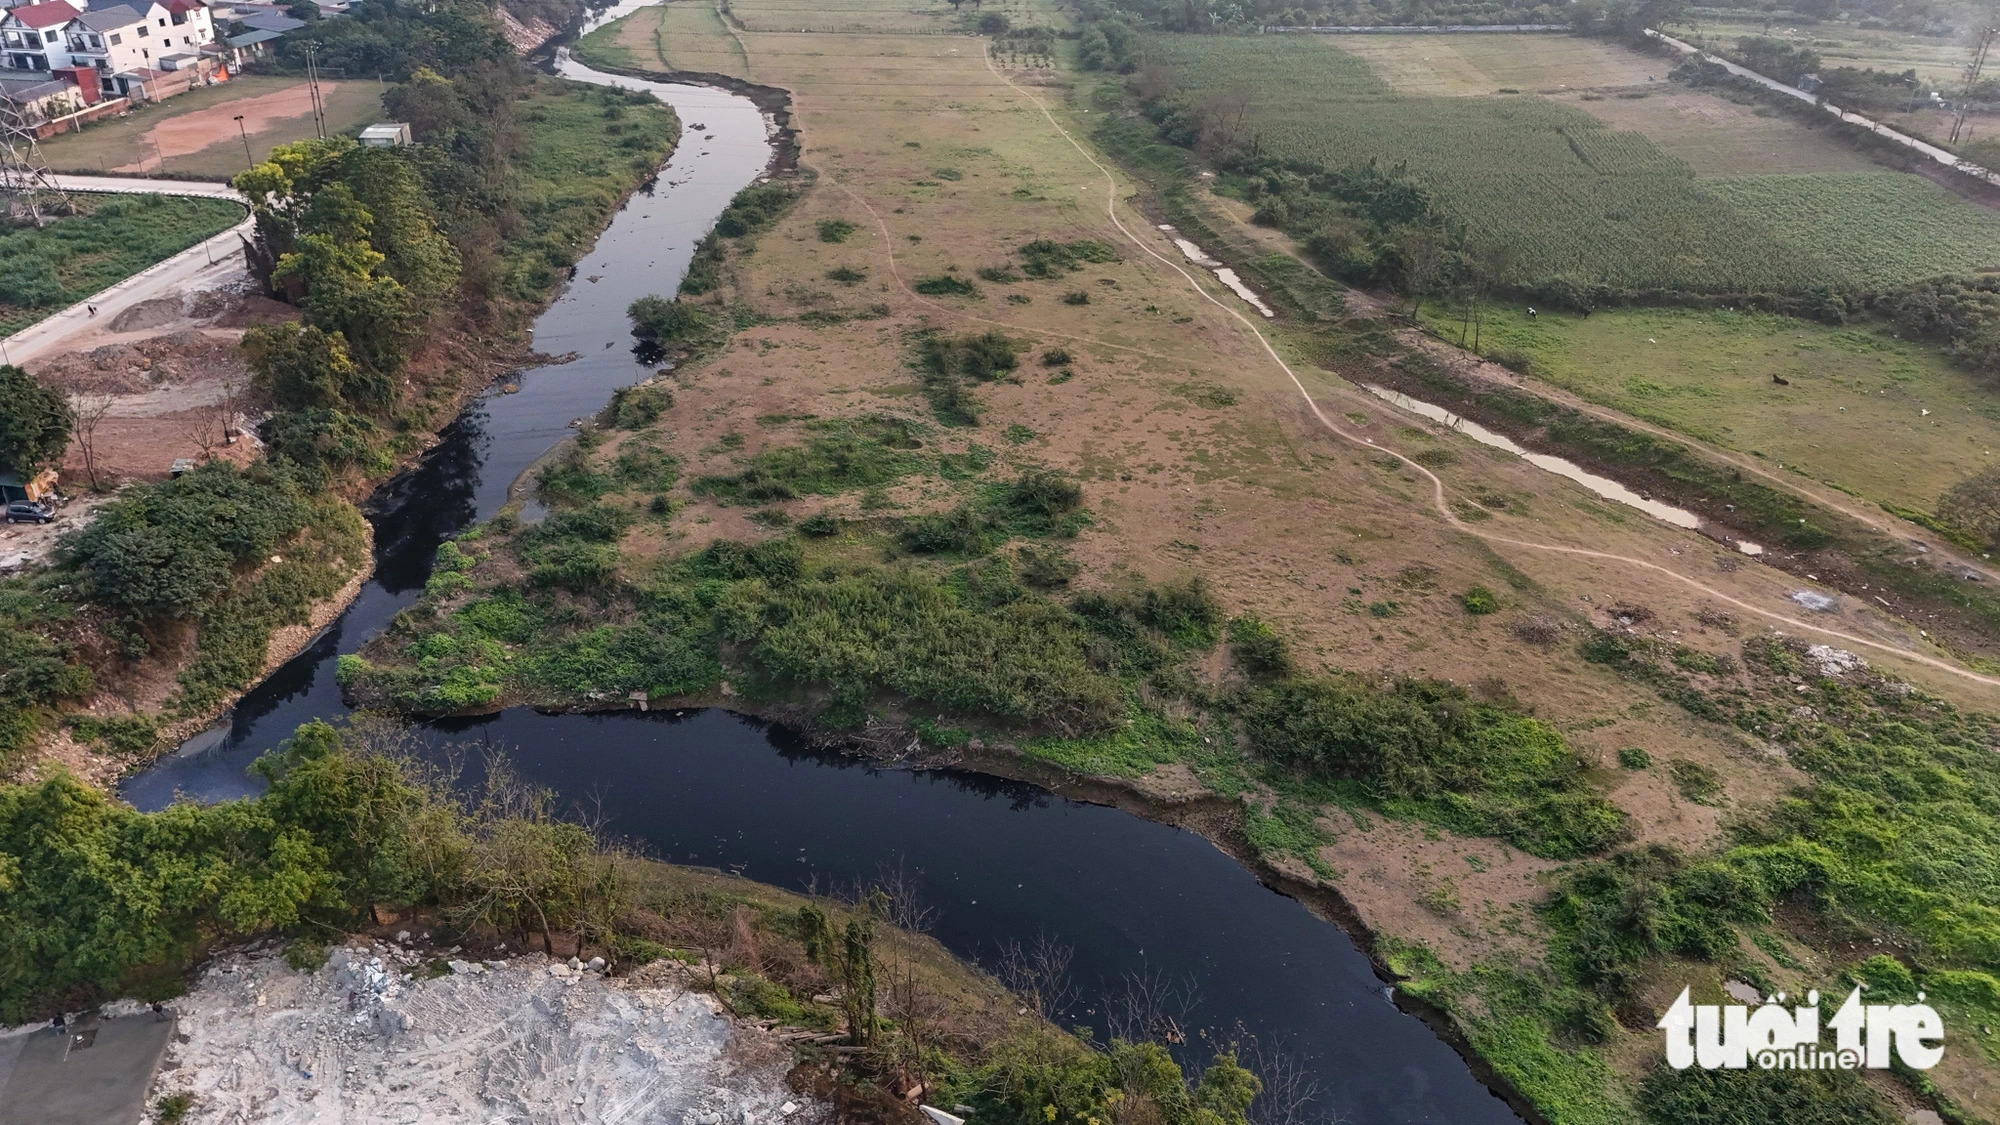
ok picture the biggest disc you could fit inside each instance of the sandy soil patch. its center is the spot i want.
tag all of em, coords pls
(191, 132)
(367, 1037)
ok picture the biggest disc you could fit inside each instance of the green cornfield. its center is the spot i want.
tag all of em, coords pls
(1879, 228)
(1571, 198)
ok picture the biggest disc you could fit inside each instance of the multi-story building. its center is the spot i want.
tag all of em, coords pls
(29, 34)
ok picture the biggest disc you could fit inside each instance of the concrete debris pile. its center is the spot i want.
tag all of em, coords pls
(1833, 662)
(174, 358)
(382, 1033)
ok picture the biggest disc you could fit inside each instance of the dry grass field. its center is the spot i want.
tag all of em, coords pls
(1198, 454)
(196, 134)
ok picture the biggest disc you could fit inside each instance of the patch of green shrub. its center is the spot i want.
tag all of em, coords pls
(1635, 758)
(945, 285)
(1258, 648)
(1428, 748)
(635, 408)
(842, 455)
(1044, 258)
(1479, 601)
(834, 230)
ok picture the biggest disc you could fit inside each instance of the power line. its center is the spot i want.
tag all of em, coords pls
(26, 183)
(1979, 53)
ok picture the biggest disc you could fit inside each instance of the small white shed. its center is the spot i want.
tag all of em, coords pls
(386, 135)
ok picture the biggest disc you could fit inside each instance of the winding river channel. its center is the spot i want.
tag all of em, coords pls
(998, 861)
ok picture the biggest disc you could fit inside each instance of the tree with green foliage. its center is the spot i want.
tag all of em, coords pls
(164, 551)
(659, 321)
(301, 367)
(35, 422)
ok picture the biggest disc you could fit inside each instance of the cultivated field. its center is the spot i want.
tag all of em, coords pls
(196, 135)
(1484, 64)
(1633, 188)
(1719, 137)
(1851, 413)
(685, 35)
(1877, 228)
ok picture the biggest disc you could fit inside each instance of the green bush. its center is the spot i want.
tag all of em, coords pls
(1635, 758)
(1258, 648)
(1479, 601)
(841, 455)
(166, 550)
(635, 408)
(1696, 782)
(1046, 259)
(1761, 1097)
(945, 285)
(834, 230)
(657, 320)
(1427, 746)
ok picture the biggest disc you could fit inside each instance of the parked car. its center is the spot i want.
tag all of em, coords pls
(28, 511)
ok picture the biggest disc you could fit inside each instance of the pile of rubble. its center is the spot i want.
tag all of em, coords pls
(385, 1032)
(123, 369)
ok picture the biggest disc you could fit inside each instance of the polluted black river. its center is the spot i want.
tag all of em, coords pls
(998, 862)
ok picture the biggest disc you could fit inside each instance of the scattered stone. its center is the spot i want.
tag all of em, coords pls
(1835, 662)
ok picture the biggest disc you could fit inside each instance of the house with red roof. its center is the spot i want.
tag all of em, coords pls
(28, 34)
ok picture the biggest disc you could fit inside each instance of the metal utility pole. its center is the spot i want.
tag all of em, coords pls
(26, 184)
(249, 161)
(1979, 53)
(312, 86)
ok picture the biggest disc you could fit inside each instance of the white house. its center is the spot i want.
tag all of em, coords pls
(112, 41)
(29, 34)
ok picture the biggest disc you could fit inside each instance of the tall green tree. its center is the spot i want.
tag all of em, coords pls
(35, 422)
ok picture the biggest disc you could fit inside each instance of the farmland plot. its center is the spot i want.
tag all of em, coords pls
(1575, 199)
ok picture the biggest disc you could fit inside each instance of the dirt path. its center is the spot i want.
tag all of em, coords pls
(1439, 501)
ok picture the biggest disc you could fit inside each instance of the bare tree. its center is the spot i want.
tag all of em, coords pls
(1039, 974)
(1148, 1005)
(1225, 123)
(1153, 82)
(232, 407)
(204, 428)
(1292, 1094)
(1424, 264)
(89, 410)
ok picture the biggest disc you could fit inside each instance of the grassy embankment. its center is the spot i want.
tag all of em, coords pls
(191, 587)
(686, 36)
(108, 240)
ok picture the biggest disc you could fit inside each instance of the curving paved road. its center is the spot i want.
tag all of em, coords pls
(204, 264)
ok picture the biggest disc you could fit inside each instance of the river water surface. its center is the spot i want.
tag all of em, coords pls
(997, 861)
